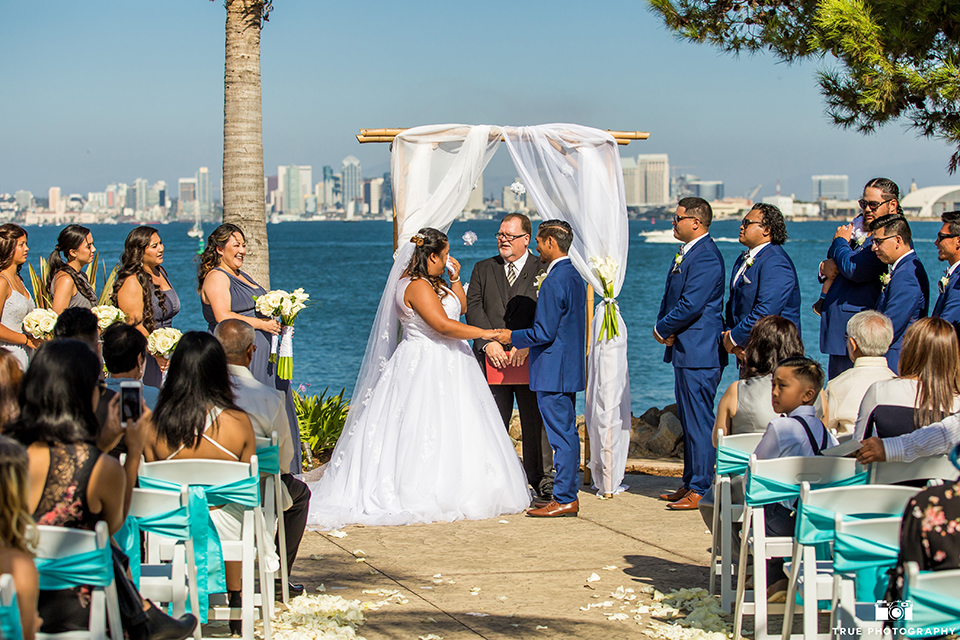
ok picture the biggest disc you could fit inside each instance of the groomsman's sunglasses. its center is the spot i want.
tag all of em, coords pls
(941, 236)
(872, 206)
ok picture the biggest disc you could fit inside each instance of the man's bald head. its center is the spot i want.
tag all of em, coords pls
(235, 336)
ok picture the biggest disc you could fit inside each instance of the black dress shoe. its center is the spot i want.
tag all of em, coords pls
(160, 626)
(540, 501)
(295, 590)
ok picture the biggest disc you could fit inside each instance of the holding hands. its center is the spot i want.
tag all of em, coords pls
(501, 358)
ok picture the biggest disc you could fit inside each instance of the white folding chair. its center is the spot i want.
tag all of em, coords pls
(935, 600)
(59, 542)
(850, 617)
(725, 514)
(169, 573)
(10, 627)
(816, 579)
(273, 516)
(926, 468)
(205, 472)
(786, 471)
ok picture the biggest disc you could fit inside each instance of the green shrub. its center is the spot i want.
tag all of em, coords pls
(320, 418)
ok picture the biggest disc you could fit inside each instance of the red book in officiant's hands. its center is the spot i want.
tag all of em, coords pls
(510, 374)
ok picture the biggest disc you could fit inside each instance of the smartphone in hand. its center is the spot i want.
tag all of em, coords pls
(131, 401)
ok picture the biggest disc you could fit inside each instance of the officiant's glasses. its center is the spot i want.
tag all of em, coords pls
(507, 236)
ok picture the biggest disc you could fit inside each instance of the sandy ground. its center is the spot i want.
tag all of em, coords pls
(530, 572)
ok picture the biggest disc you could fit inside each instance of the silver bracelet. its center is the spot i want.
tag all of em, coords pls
(457, 280)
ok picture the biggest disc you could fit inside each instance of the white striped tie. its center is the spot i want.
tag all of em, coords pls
(511, 274)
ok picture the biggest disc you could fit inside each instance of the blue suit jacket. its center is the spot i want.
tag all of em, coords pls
(904, 299)
(692, 309)
(855, 289)
(948, 304)
(557, 339)
(768, 287)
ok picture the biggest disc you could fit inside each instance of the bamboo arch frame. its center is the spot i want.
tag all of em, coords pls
(622, 137)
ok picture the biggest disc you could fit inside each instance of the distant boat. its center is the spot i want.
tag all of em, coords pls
(196, 231)
(653, 221)
(660, 236)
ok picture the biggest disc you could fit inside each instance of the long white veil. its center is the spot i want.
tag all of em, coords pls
(433, 170)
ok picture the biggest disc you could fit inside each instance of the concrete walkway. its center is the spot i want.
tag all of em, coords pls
(506, 579)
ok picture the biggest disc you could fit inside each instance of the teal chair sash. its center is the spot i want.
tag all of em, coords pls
(934, 614)
(761, 490)
(173, 524)
(268, 459)
(868, 559)
(10, 621)
(91, 567)
(731, 462)
(207, 549)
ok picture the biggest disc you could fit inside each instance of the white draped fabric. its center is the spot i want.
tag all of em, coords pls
(573, 173)
(433, 170)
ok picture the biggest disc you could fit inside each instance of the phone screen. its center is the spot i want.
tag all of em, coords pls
(130, 408)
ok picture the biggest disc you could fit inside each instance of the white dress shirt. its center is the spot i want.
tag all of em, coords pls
(266, 408)
(518, 264)
(893, 267)
(937, 439)
(552, 264)
(845, 392)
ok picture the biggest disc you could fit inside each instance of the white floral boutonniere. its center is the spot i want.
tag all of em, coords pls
(860, 239)
(677, 261)
(944, 281)
(539, 280)
(884, 279)
(749, 261)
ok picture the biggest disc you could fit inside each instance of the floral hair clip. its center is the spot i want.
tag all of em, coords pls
(418, 239)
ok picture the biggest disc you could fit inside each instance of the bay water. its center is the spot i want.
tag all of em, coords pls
(343, 266)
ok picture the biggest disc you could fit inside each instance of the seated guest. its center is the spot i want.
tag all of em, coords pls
(929, 534)
(73, 485)
(796, 384)
(927, 390)
(80, 324)
(937, 439)
(10, 375)
(745, 405)
(869, 334)
(203, 421)
(125, 356)
(266, 408)
(17, 536)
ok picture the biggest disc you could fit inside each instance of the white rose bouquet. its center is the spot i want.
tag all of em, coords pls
(283, 306)
(107, 315)
(163, 341)
(39, 323)
(606, 270)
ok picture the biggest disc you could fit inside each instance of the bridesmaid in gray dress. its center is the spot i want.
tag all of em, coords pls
(67, 284)
(227, 292)
(143, 292)
(16, 302)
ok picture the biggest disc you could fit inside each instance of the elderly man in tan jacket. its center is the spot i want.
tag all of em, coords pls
(869, 334)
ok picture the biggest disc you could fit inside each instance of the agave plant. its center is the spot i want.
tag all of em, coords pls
(38, 282)
(320, 418)
(106, 295)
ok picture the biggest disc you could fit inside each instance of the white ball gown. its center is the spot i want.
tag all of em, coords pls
(429, 444)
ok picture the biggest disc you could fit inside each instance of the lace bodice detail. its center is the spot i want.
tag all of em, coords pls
(15, 309)
(415, 326)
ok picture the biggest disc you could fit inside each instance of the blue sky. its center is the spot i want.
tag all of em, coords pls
(96, 92)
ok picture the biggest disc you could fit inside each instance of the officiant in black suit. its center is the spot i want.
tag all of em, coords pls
(503, 293)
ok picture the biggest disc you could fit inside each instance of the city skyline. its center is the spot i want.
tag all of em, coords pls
(100, 89)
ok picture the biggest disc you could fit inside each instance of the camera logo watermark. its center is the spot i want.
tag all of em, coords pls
(893, 610)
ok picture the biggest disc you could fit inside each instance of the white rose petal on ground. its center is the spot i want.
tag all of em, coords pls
(431, 636)
(541, 627)
(610, 567)
(321, 588)
(593, 578)
(478, 615)
(359, 559)
(504, 522)
(359, 552)
(314, 556)
(337, 533)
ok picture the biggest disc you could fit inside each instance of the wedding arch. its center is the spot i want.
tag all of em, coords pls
(572, 173)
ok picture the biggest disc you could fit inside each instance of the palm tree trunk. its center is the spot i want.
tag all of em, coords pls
(243, 192)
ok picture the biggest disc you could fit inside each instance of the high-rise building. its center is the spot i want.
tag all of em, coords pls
(351, 181)
(386, 197)
(140, 184)
(306, 180)
(290, 185)
(830, 187)
(187, 188)
(372, 190)
(631, 184)
(475, 203)
(53, 199)
(653, 179)
(709, 190)
(204, 195)
(24, 200)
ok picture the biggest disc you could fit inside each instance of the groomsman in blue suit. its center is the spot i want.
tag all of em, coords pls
(906, 288)
(690, 323)
(948, 250)
(855, 271)
(764, 280)
(557, 343)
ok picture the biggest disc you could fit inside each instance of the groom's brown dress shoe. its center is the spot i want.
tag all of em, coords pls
(686, 503)
(676, 495)
(556, 510)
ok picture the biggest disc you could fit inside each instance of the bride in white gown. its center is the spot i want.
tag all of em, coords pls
(424, 441)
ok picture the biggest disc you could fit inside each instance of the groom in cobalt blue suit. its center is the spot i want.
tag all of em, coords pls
(764, 280)
(557, 343)
(690, 324)
(948, 250)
